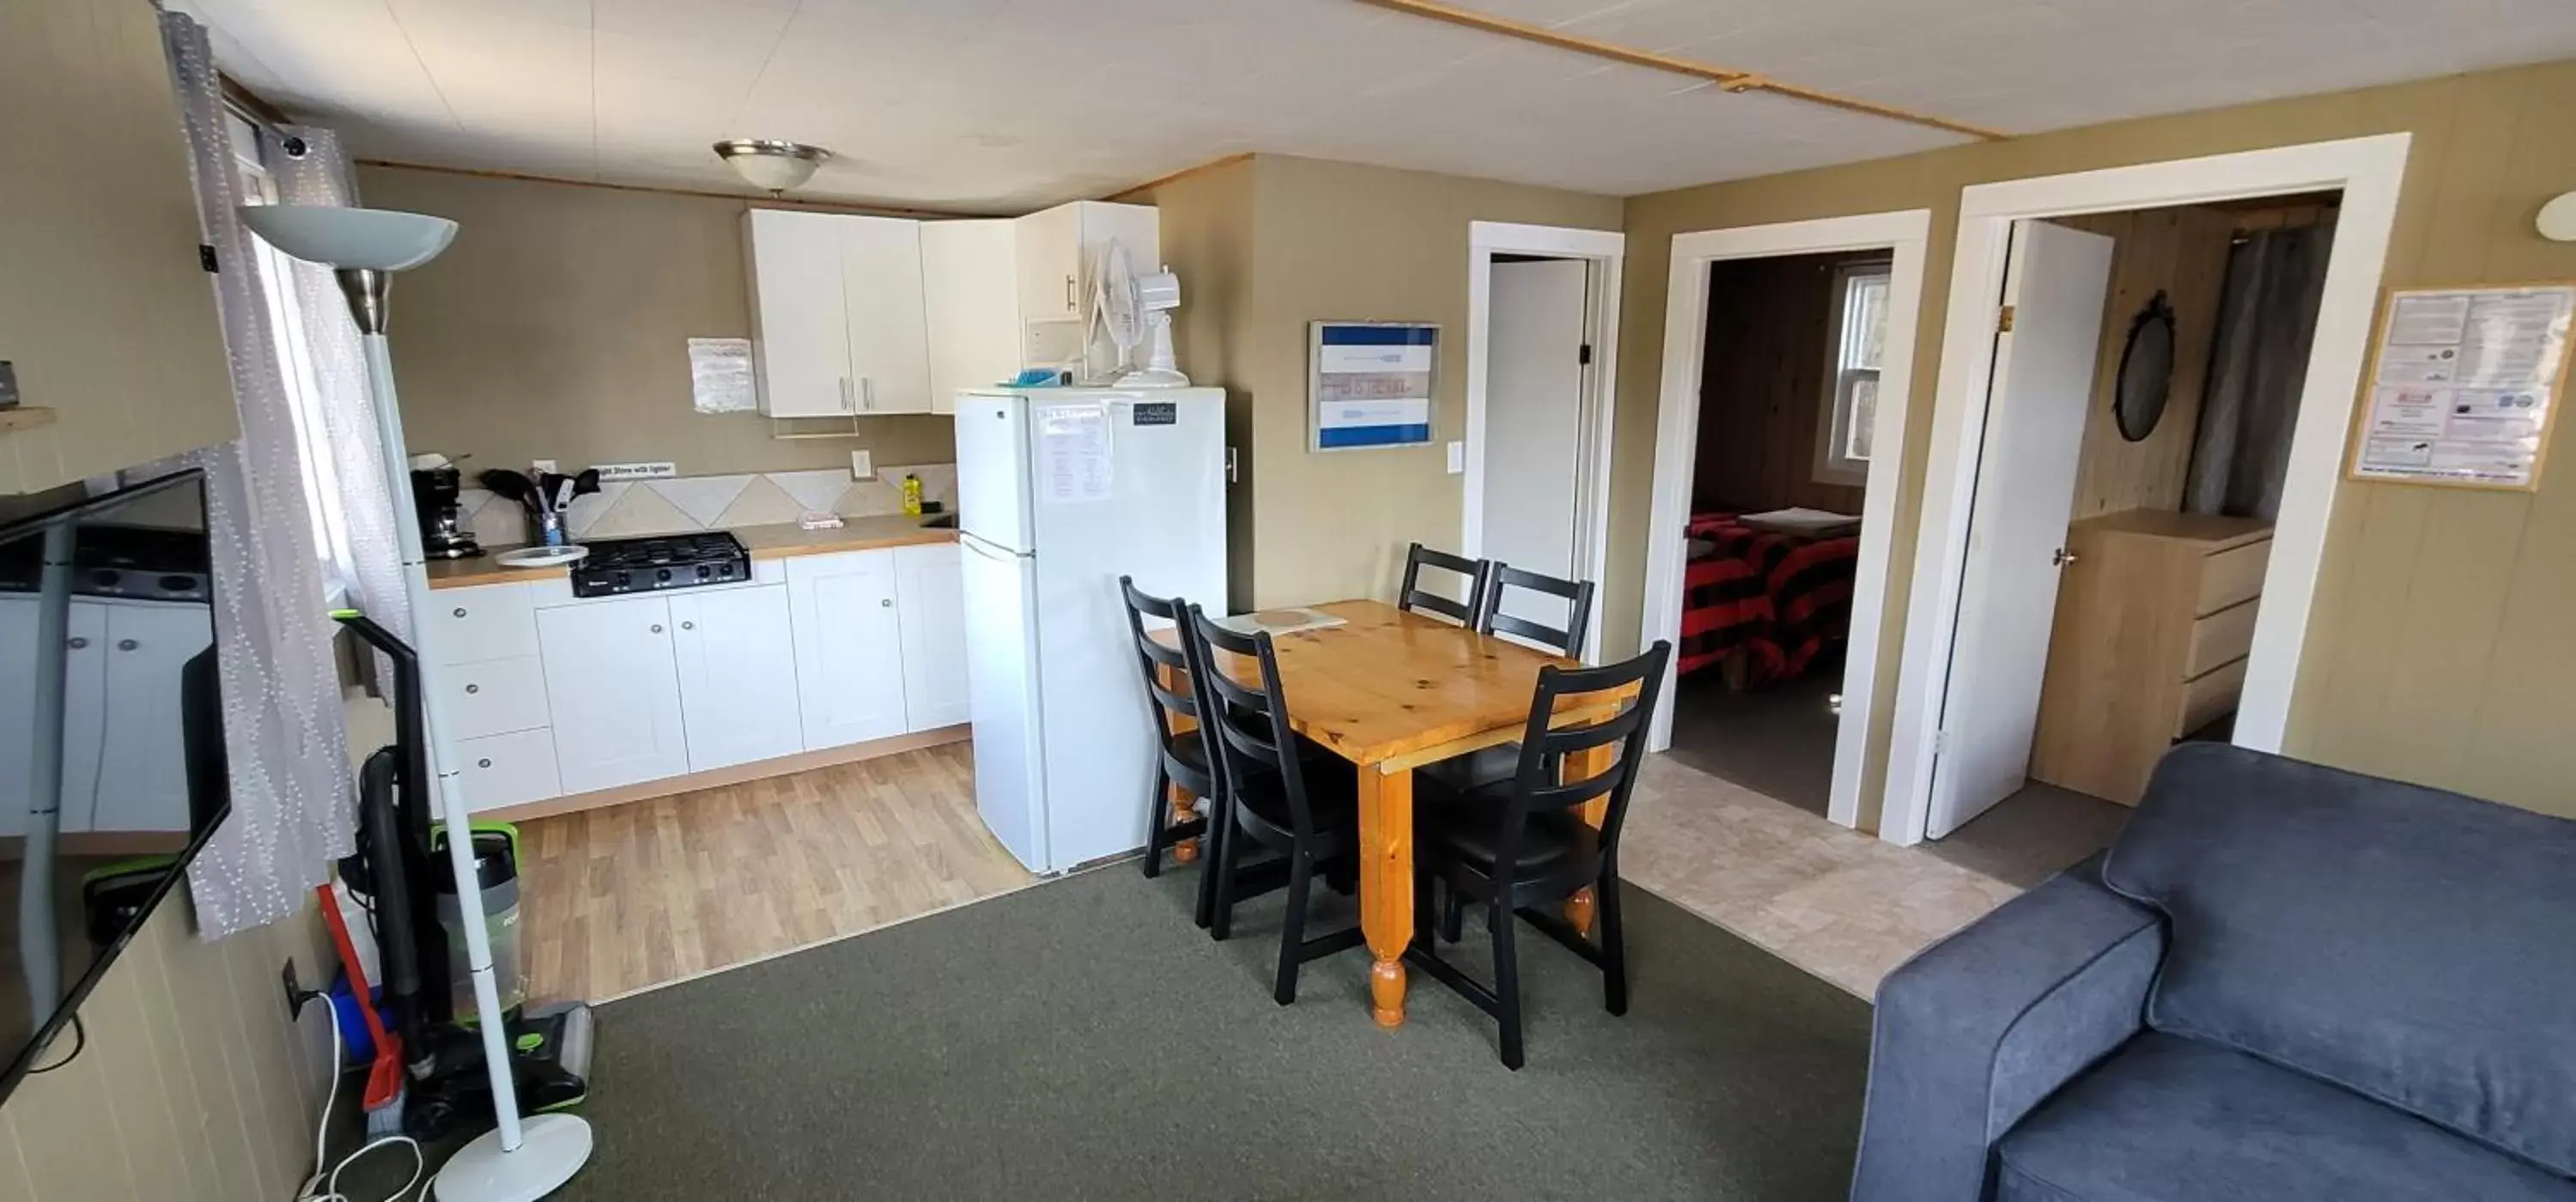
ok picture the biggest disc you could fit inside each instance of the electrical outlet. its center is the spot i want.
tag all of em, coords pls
(1457, 458)
(544, 465)
(294, 991)
(862, 465)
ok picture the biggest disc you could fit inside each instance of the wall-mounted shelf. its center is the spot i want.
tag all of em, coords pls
(25, 417)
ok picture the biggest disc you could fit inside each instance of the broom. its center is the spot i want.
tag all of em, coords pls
(383, 1099)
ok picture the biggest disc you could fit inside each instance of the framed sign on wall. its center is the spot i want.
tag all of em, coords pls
(1370, 384)
(2463, 383)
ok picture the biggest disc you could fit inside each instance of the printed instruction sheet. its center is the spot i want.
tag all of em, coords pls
(2464, 385)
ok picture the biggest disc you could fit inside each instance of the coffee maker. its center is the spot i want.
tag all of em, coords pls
(443, 532)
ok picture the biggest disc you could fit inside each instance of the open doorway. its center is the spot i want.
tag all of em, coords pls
(1542, 332)
(1788, 389)
(2106, 566)
(2139, 459)
(1772, 505)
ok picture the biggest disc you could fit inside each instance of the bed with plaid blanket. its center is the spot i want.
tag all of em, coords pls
(1768, 603)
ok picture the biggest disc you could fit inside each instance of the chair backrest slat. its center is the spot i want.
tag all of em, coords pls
(1250, 718)
(1577, 596)
(1414, 598)
(1536, 789)
(1170, 682)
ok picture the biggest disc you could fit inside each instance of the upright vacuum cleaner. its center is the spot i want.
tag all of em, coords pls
(403, 869)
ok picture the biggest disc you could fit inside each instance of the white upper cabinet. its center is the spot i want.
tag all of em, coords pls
(737, 668)
(969, 291)
(889, 342)
(800, 328)
(837, 321)
(1058, 252)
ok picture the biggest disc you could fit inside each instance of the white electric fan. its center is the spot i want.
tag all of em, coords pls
(1134, 308)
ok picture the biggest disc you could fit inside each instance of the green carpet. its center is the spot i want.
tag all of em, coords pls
(1081, 1039)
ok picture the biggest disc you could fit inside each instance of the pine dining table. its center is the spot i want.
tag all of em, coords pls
(1392, 691)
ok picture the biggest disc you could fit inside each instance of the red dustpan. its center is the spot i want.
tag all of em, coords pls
(384, 1095)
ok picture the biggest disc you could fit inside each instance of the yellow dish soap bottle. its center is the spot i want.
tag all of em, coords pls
(912, 494)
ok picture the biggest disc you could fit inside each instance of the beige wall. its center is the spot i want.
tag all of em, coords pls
(557, 327)
(1206, 233)
(2443, 646)
(1340, 240)
(193, 1085)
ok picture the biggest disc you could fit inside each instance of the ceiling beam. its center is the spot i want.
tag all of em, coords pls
(1727, 79)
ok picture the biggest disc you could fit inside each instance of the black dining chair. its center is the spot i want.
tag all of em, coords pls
(1522, 849)
(1413, 598)
(1493, 765)
(1274, 798)
(1180, 755)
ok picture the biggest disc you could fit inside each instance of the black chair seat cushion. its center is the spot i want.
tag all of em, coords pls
(1332, 797)
(1467, 830)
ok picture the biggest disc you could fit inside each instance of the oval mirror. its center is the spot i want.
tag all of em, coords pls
(2146, 370)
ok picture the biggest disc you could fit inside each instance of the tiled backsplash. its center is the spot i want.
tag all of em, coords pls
(624, 509)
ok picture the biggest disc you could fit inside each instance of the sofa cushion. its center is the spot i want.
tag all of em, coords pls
(2177, 1120)
(2410, 944)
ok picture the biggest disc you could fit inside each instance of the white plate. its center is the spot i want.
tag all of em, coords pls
(541, 557)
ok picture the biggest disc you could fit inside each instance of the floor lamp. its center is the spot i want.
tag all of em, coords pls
(517, 1161)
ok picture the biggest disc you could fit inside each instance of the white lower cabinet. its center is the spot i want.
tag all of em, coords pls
(615, 692)
(737, 668)
(930, 603)
(508, 770)
(849, 647)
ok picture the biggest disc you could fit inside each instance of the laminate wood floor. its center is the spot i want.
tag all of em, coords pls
(641, 894)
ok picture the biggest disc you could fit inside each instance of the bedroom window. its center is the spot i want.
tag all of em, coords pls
(1850, 408)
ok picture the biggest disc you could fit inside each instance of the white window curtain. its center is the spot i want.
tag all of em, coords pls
(284, 733)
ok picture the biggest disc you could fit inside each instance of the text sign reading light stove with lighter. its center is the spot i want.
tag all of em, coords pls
(517, 1161)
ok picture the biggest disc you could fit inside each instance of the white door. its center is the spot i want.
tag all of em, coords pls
(930, 602)
(889, 346)
(736, 660)
(970, 304)
(849, 647)
(614, 692)
(143, 780)
(799, 317)
(1002, 678)
(1533, 424)
(2055, 284)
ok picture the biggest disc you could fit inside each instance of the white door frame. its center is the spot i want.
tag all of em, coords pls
(1606, 250)
(1903, 233)
(2369, 172)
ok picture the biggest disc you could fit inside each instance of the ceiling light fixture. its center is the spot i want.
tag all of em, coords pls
(2557, 219)
(770, 165)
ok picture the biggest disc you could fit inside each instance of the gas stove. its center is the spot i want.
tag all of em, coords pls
(642, 565)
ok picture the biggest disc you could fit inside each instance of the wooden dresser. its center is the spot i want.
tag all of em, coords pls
(2154, 619)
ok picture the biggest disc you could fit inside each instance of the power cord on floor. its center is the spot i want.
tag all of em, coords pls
(329, 1180)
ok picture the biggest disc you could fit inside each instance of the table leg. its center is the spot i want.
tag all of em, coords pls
(1386, 884)
(1577, 766)
(1184, 851)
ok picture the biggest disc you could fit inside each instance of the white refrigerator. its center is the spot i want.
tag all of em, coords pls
(1060, 491)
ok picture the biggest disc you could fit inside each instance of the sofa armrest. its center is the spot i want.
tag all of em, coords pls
(1984, 1025)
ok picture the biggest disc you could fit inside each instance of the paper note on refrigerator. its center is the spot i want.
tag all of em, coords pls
(1073, 454)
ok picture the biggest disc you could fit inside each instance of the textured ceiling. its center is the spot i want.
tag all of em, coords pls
(1008, 105)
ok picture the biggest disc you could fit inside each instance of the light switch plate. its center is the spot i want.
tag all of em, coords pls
(862, 465)
(1457, 458)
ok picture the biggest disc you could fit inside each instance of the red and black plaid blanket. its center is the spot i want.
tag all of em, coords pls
(1774, 599)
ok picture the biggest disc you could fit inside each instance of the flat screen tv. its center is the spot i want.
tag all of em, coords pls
(111, 742)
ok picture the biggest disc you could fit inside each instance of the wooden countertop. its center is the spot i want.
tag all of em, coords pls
(765, 542)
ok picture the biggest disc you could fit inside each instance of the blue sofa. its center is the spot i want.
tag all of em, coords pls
(2283, 982)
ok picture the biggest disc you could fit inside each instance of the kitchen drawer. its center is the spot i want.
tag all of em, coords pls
(490, 621)
(494, 696)
(2233, 576)
(926, 555)
(2220, 637)
(508, 770)
(2207, 696)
